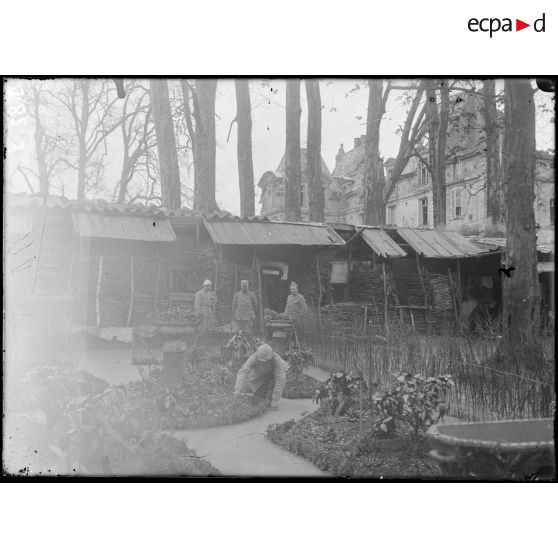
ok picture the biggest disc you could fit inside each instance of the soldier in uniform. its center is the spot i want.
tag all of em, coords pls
(244, 308)
(263, 375)
(296, 305)
(204, 306)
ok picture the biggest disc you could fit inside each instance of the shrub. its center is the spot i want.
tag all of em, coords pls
(239, 347)
(416, 402)
(339, 393)
(299, 358)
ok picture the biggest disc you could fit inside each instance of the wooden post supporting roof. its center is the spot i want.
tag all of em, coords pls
(385, 297)
(260, 294)
(98, 292)
(131, 307)
(320, 290)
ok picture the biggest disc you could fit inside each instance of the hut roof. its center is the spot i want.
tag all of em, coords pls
(258, 232)
(432, 243)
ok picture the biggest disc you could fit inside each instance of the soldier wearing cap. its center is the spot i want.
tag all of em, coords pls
(258, 373)
(244, 308)
(296, 305)
(204, 306)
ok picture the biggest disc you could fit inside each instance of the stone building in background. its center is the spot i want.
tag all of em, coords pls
(410, 203)
(272, 199)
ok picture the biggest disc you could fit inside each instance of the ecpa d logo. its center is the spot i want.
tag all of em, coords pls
(494, 24)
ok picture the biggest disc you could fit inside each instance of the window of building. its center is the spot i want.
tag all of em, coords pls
(457, 169)
(339, 272)
(423, 211)
(45, 281)
(391, 215)
(457, 207)
(552, 210)
(424, 174)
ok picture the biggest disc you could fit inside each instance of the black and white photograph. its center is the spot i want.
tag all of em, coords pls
(212, 277)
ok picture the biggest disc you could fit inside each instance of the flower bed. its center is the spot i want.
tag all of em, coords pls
(358, 431)
(204, 398)
(336, 445)
(92, 429)
(300, 386)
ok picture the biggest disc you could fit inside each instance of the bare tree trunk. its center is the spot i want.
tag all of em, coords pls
(166, 143)
(433, 119)
(441, 148)
(244, 148)
(314, 151)
(520, 291)
(293, 182)
(494, 197)
(186, 91)
(39, 133)
(373, 177)
(204, 198)
(82, 141)
(412, 133)
(124, 179)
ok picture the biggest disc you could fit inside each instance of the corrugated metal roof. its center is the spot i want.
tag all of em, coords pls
(382, 243)
(545, 242)
(441, 244)
(125, 227)
(257, 232)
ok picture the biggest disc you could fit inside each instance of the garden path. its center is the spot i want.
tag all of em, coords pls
(242, 449)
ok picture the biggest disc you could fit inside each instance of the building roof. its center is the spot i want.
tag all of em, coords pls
(349, 163)
(26, 201)
(122, 226)
(545, 241)
(432, 243)
(258, 232)
(303, 165)
(382, 244)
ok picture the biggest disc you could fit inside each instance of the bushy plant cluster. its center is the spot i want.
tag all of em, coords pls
(239, 347)
(415, 402)
(338, 394)
(96, 429)
(299, 358)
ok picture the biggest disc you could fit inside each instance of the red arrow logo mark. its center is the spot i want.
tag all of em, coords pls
(519, 25)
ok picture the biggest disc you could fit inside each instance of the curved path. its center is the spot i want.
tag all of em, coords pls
(241, 450)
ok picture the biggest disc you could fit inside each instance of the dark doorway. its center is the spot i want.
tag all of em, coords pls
(274, 289)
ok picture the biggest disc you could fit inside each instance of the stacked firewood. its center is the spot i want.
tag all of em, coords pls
(443, 310)
(367, 285)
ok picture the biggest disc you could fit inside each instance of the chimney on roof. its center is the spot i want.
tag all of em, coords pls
(357, 142)
(340, 154)
(363, 139)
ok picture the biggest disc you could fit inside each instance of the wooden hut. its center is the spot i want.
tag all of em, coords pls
(115, 266)
(411, 279)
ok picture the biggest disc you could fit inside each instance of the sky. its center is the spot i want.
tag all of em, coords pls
(344, 104)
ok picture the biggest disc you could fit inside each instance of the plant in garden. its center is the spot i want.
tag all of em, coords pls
(299, 358)
(340, 392)
(415, 401)
(239, 347)
(178, 314)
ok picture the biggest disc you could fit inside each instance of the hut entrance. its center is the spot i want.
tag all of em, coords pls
(274, 289)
